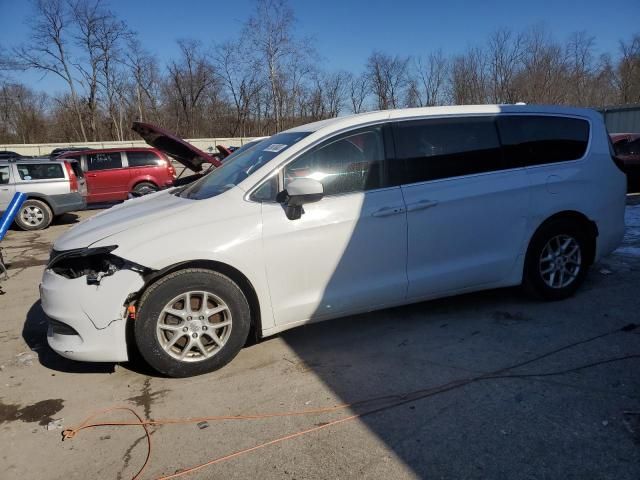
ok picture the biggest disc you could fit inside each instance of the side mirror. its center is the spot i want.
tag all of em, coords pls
(299, 192)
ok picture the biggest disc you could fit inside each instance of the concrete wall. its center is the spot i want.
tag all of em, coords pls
(43, 149)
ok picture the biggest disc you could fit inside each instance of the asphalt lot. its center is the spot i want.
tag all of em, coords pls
(581, 424)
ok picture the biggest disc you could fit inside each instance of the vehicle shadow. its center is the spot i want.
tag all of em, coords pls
(34, 333)
(509, 428)
(66, 219)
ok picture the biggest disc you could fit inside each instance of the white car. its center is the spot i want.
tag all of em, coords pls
(338, 217)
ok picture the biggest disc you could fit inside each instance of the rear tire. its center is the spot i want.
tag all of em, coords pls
(144, 188)
(191, 322)
(34, 215)
(557, 260)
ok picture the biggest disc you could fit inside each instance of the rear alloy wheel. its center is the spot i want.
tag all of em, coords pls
(144, 188)
(560, 261)
(34, 215)
(190, 322)
(557, 262)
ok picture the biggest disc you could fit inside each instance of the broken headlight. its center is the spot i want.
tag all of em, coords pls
(95, 263)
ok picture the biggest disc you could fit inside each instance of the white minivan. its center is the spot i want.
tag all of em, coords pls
(339, 217)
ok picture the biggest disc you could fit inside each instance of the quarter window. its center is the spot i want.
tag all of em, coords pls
(103, 161)
(40, 171)
(4, 175)
(267, 191)
(143, 159)
(351, 162)
(535, 140)
(447, 147)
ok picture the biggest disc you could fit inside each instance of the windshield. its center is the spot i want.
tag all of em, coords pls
(240, 166)
(242, 149)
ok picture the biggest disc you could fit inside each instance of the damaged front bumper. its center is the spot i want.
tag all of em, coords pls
(88, 318)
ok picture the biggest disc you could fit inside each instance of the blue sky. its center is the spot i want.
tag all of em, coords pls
(346, 31)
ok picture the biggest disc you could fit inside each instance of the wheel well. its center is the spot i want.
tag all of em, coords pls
(138, 182)
(589, 226)
(31, 196)
(234, 274)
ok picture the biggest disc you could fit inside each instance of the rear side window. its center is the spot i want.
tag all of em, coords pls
(536, 140)
(143, 159)
(447, 147)
(40, 171)
(4, 175)
(75, 166)
(103, 161)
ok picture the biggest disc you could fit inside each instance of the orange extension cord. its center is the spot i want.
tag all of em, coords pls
(70, 433)
(389, 401)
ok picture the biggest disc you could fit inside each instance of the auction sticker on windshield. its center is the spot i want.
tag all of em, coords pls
(275, 147)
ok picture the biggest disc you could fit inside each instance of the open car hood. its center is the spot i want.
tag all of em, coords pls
(165, 141)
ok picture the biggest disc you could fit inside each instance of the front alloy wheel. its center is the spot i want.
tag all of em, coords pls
(191, 321)
(194, 326)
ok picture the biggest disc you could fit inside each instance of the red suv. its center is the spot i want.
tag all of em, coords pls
(112, 174)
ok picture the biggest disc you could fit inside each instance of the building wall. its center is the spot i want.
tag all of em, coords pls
(622, 119)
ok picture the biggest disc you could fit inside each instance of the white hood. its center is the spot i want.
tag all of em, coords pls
(162, 229)
(130, 215)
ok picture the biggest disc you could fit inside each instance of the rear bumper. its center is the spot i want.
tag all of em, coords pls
(611, 226)
(67, 202)
(96, 315)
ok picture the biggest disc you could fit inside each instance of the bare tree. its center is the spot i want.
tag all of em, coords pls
(189, 79)
(358, 87)
(239, 75)
(111, 35)
(146, 78)
(335, 92)
(504, 58)
(22, 113)
(469, 78)
(579, 52)
(47, 49)
(628, 71)
(269, 31)
(432, 74)
(387, 77)
(542, 76)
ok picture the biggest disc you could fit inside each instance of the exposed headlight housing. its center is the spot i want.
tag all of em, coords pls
(95, 263)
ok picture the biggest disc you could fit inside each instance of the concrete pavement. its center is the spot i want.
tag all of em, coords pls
(570, 425)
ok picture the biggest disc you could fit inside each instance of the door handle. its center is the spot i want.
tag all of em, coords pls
(387, 211)
(92, 175)
(421, 205)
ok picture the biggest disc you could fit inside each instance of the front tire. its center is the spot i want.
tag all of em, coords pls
(191, 322)
(557, 260)
(34, 215)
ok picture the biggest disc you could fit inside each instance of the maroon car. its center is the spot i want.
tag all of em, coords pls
(627, 149)
(113, 174)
